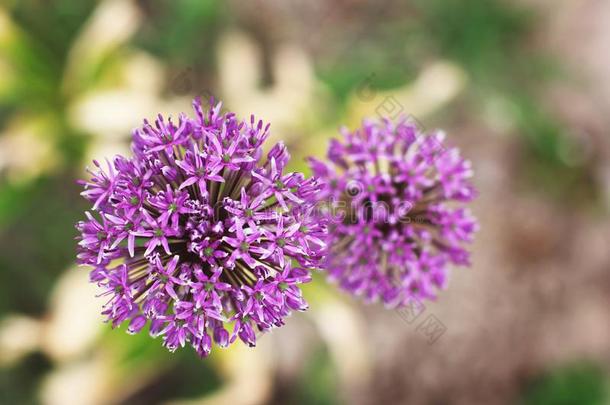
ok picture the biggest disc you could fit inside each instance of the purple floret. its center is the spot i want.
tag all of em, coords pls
(393, 198)
(197, 234)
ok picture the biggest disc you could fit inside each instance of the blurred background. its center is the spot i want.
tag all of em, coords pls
(522, 86)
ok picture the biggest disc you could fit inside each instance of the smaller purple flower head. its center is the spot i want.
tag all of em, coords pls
(394, 199)
(199, 235)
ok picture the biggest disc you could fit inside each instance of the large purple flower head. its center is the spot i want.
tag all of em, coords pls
(198, 235)
(394, 199)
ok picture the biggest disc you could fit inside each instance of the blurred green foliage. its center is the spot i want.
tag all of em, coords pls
(381, 67)
(574, 384)
(317, 385)
(37, 239)
(40, 53)
(19, 384)
(481, 35)
(183, 375)
(183, 31)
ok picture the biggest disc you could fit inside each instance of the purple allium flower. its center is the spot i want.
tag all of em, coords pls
(393, 199)
(198, 233)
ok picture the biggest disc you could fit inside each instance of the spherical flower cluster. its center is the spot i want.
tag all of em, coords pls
(198, 235)
(394, 201)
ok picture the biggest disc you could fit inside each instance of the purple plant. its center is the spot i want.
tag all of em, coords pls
(394, 201)
(197, 232)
